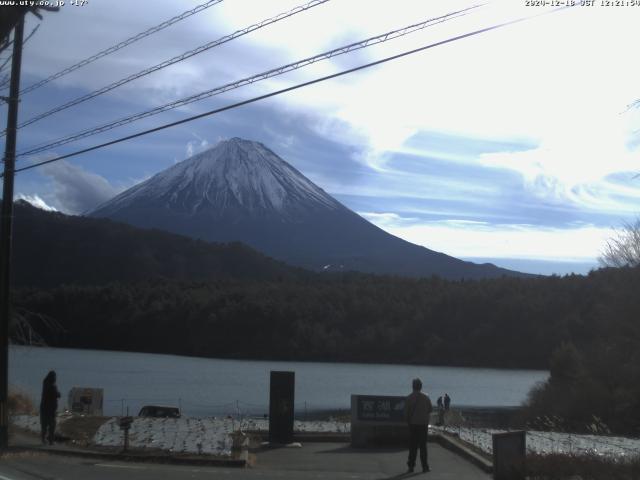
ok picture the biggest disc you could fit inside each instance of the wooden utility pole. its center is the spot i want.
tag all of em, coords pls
(6, 221)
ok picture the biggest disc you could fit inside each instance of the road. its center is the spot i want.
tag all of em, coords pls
(312, 461)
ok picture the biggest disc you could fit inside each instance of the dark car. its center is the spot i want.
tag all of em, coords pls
(159, 411)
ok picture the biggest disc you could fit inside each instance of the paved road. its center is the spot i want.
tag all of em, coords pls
(312, 461)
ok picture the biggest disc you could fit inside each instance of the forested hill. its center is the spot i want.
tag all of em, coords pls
(51, 249)
(509, 322)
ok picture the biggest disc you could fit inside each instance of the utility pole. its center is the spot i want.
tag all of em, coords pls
(6, 221)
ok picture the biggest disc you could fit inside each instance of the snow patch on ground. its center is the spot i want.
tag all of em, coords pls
(28, 422)
(552, 442)
(210, 436)
(178, 435)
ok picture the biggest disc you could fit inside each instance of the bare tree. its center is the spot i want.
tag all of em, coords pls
(623, 250)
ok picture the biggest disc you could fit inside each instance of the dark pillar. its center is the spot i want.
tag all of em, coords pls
(5, 230)
(281, 403)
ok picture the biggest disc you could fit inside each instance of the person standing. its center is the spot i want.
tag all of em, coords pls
(49, 407)
(440, 411)
(417, 411)
(447, 401)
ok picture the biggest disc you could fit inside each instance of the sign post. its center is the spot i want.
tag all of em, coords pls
(125, 425)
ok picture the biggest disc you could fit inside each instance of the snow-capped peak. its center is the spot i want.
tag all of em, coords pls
(237, 174)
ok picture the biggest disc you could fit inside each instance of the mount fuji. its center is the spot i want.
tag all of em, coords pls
(240, 190)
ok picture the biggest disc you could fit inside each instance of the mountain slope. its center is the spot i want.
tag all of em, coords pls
(50, 249)
(242, 191)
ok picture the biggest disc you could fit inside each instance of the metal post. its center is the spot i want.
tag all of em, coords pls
(5, 229)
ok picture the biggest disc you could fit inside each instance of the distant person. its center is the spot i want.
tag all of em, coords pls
(447, 401)
(49, 407)
(440, 411)
(417, 410)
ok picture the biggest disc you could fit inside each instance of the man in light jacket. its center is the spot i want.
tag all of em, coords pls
(417, 411)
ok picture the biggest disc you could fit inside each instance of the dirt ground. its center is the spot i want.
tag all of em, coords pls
(80, 429)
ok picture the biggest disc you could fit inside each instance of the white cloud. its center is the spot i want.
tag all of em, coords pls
(196, 146)
(477, 239)
(75, 190)
(575, 157)
(386, 218)
(560, 80)
(36, 201)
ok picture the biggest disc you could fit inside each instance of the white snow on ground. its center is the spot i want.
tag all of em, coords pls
(179, 435)
(28, 422)
(211, 436)
(553, 442)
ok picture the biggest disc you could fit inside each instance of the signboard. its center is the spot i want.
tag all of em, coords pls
(87, 401)
(509, 453)
(281, 403)
(380, 408)
(378, 420)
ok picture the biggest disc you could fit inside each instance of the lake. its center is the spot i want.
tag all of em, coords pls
(206, 387)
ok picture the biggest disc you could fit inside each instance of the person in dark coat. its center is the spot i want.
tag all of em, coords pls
(440, 411)
(447, 401)
(49, 407)
(417, 411)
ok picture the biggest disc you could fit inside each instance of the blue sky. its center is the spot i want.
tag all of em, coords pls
(515, 147)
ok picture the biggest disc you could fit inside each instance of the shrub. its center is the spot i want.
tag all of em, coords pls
(20, 403)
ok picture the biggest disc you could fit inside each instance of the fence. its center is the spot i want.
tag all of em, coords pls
(552, 442)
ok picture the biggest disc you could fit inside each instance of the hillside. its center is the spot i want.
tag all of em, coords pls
(51, 248)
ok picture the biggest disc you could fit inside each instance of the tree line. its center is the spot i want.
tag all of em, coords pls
(505, 323)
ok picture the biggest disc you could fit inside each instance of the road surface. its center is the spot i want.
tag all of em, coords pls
(312, 461)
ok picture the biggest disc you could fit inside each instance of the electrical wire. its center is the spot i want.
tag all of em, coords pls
(289, 89)
(250, 80)
(121, 45)
(174, 60)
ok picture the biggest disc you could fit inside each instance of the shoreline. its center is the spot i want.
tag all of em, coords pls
(281, 360)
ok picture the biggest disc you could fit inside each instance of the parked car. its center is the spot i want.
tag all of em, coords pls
(159, 411)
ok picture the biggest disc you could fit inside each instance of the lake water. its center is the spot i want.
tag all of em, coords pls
(205, 387)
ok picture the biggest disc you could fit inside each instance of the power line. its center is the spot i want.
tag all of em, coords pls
(174, 60)
(121, 45)
(250, 80)
(288, 89)
(5, 82)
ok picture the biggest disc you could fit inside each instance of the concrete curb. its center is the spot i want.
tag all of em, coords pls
(459, 447)
(329, 437)
(239, 462)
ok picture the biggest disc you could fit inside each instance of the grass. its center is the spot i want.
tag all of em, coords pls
(20, 403)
